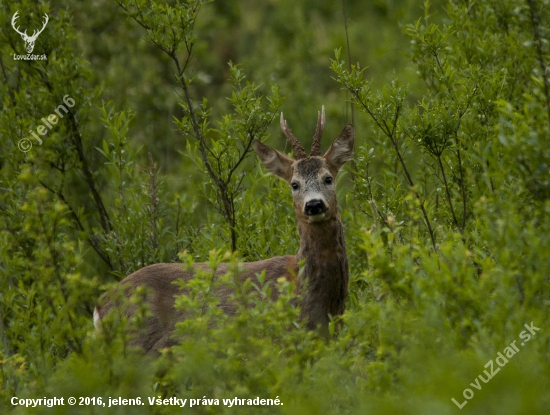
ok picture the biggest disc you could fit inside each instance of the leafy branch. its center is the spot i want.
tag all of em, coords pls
(224, 150)
(384, 109)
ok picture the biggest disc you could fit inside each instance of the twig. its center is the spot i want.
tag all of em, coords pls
(462, 188)
(535, 21)
(349, 54)
(79, 225)
(390, 134)
(447, 192)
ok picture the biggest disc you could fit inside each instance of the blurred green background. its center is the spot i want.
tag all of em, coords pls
(445, 203)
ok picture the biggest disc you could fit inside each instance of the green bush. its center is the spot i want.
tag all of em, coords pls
(446, 210)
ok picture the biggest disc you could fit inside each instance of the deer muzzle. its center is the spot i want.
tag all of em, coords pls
(315, 209)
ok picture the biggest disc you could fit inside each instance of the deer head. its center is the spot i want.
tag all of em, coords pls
(312, 178)
(29, 40)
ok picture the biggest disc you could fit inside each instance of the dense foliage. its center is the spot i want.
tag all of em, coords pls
(446, 203)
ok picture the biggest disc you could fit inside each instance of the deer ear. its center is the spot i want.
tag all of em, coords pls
(276, 162)
(341, 149)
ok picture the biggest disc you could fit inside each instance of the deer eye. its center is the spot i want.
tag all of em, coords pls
(295, 186)
(328, 180)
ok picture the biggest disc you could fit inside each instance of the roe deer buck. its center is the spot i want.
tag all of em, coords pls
(324, 280)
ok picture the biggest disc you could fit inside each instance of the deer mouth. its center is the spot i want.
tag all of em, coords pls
(317, 217)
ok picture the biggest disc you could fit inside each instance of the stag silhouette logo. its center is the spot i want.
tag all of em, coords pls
(29, 40)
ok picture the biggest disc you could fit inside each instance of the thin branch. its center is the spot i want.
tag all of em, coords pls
(88, 176)
(535, 22)
(75, 346)
(462, 189)
(385, 128)
(447, 192)
(12, 95)
(79, 225)
(251, 137)
(349, 54)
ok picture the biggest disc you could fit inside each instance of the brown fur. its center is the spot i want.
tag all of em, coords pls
(324, 281)
(160, 278)
(326, 271)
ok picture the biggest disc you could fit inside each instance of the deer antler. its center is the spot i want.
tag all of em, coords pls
(13, 19)
(46, 20)
(316, 144)
(24, 34)
(37, 32)
(299, 152)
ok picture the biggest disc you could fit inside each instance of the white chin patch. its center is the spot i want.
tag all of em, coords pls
(96, 318)
(316, 218)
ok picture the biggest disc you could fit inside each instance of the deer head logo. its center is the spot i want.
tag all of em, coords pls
(29, 40)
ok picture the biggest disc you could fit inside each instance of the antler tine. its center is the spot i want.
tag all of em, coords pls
(316, 144)
(46, 20)
(13, 23)
(299, 152)
(37, 32)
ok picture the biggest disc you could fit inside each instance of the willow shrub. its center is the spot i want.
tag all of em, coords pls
(446, 212)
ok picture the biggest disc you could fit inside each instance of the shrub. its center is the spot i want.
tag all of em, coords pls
(446, 209)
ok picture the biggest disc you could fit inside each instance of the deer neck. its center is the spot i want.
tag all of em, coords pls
(325, 276)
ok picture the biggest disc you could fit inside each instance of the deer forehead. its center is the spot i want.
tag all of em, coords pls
(311, 168)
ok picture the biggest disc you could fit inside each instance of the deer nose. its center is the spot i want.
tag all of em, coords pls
(315, 207)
